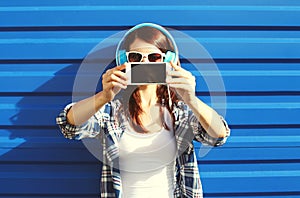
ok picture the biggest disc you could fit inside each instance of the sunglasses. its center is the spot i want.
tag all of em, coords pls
(133, 56)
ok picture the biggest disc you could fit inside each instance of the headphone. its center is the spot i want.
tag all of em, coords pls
(121, 57)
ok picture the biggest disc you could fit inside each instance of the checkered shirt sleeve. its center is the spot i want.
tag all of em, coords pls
(89, 129)
(202, 136)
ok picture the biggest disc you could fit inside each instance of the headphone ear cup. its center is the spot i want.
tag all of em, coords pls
(170, 56)
(122, 57)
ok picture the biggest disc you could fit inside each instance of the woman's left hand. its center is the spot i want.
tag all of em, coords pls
(183, 82)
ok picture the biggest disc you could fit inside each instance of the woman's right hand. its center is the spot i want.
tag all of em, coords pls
(113, 80)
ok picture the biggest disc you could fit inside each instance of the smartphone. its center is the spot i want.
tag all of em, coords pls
(142, 73)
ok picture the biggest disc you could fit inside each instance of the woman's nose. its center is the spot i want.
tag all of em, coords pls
(145, 59)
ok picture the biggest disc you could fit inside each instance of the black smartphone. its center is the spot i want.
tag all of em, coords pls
(147, 73)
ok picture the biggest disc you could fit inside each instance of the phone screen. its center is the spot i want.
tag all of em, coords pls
(148, 73)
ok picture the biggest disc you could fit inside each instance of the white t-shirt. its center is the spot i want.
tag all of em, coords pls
(147, 163)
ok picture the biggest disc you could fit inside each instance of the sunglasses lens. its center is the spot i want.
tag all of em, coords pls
(155, 57)
(134, 57)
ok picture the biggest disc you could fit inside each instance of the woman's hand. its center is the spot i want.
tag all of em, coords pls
(183, 82)
(113, 80)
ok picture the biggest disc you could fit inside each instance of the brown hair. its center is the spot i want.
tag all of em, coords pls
(133, 105)
(150, 35)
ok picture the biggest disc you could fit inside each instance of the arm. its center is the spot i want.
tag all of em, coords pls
(90, 128)
(113, 81)
(209, 119)
(212, 127)
(80, 112)
(78, 120)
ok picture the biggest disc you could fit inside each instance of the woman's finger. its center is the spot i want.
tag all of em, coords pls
(120, 74)
(116, 78)
(114, 71)
(175, 74)
(180, 86)
(178, 81)
(113, 84)
(175, 67)
(121, 67)
(119, 85)
(180, 74)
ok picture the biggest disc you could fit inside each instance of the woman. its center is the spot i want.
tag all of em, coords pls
(147, 136)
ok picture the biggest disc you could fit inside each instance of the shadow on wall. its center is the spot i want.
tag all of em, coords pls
(35, 157)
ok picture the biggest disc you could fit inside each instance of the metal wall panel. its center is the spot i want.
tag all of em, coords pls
(255, 45)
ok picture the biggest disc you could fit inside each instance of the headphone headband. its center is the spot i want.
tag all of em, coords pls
(121, 59)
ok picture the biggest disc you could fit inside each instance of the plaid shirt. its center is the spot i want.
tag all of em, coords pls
(107, 125)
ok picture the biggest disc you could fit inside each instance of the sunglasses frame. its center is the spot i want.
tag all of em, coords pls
(163, 55)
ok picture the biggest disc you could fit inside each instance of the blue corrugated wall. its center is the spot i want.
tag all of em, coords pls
(255, 44)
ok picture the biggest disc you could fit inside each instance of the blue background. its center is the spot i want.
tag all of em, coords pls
(255, 44)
